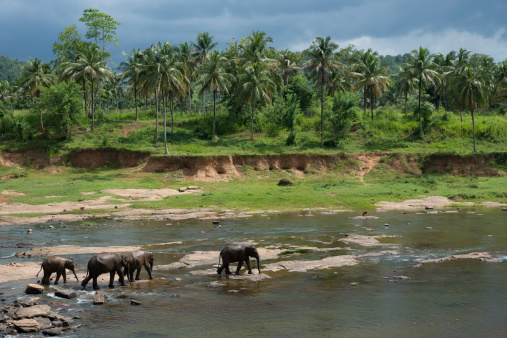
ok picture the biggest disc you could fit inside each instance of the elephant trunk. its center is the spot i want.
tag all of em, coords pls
(258, 264)
(75, 275)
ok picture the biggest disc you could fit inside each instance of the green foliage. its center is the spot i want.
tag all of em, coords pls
(343, 113)
(16, 128)
(64, 107)
(10, 69)
(303, 90)
(101, 27)
(427, 109)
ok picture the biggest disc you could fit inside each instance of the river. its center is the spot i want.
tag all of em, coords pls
(385, 292)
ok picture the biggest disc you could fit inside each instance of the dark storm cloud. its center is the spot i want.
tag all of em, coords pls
(29, 28)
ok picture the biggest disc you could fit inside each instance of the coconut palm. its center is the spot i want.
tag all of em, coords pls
(92, 66)
(322, 61)
(201, 49)
(34, 76)
(372, 77)
(188, 60)
(256, 86)
(287, 63)
(446, 67)
(165, 71)
(130, 72)
(7, 92)
(471, 91)
(254, 49)
(212, 76)
(422, 67)
(406, 84)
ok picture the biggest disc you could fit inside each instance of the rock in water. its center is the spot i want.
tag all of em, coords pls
(34, 289)
(55, 331)
(32, 311)
(68, 294)
(26, 325)
(99, 298)
(285, 182)
(135, 302)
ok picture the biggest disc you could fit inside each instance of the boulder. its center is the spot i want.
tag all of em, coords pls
(44, 323)
(54, 331)
(27, 302)
(34, 289)
(285, 182)
(182, 189)
(99, 298)
(135, 302)
(32, 311)
(26, 325)
(68, 294)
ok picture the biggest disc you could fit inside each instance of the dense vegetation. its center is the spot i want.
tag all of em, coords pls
(10, 69)
(191, 98)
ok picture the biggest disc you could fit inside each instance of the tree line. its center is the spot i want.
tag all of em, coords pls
(249, 75)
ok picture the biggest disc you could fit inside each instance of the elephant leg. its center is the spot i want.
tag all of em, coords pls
(227, 271)
(95, 284)
(64, 275)
(111, 279)
(240, 263)
(58, 274)
(248, 265)
(138, 274)
(85, 281)
(45, 279)
(120, 277)
(147, 267)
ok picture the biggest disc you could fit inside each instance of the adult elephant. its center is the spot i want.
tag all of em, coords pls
(136, 261)
(237, 253)
(56, 264)
(107, 262)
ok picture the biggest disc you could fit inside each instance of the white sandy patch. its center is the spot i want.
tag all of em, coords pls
(18, 271)
(483, 256)
(12, 193)
(148, 194)
(361, 240)
(303, 266)
(62, 250)
(418, 204)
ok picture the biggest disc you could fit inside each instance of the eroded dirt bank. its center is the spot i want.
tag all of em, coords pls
(217, 168)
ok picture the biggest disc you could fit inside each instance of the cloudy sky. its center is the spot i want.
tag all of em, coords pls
(28, 28)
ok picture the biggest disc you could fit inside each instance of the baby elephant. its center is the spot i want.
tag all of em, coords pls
(136, 261)
(237, 253)
(58, 265)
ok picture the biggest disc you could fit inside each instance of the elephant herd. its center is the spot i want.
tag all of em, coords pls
(125, 265)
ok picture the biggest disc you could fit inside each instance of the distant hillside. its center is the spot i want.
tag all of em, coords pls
(9, 68)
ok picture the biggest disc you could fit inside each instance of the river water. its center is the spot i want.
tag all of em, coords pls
(454, 298)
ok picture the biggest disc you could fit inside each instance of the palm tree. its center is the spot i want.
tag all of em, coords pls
(166, 72)
(321, 62)
(201, 49)
(372, 77)
(7, 92)
(446, 65)
(212, 76)
(256, 86)
(470, 88)
(89, 65)
(35, 75)
(254, 49)
(422, 67)
(130, 72)
(188, 60)
(287, 64)
(406, 84)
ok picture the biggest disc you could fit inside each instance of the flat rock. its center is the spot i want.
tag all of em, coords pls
(68, 294)
(27, 302)
(55, 331)
(44, 323)
(32, 311)
(26, 325)
(135, 302)
(99, 298)
(34, 289)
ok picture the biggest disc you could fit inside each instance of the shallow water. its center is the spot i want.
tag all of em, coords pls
(461, 298)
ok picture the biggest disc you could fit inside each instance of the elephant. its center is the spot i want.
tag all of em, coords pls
(136, 261)
(104, 263)
(237, 253)
(58, 265)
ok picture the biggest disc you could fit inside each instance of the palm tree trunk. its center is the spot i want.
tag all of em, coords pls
(214, 110)
(165, 124)
(84, 97)
(135, 97)
(203, 104)
(322, 116)
(371, 103)
(156, 116)
(420, 89)
(189, 101)
(473, 119)
(252, 120)
(93, 107)
(171, 98)
(406, 94)
(364, 101)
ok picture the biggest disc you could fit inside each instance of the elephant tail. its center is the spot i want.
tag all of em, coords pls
(39, 271)
(219, 256)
